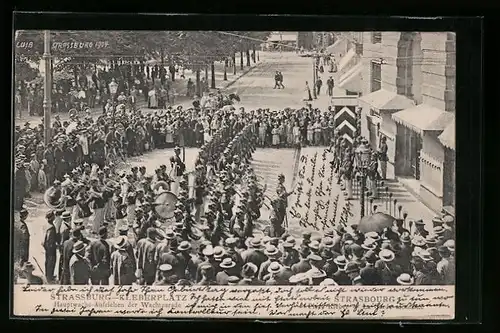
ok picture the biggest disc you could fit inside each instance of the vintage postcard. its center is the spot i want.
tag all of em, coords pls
(234, 174)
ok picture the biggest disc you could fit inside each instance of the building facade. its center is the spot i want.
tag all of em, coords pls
(408, 97)
(305, 39)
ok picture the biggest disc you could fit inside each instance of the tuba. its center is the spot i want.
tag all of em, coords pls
(54, 199)
(161, 186)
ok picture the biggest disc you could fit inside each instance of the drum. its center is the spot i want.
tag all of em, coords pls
(164, 204)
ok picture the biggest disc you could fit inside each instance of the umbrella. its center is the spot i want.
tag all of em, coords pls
(376, 222)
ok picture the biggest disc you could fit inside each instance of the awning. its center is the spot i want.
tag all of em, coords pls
(423, 117)
(346, 60)
(447, 138)
(353, 79)
(387, 100)
(337, 48)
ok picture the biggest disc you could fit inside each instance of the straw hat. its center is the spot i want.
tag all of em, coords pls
(274, 267)
(314, 245)
(227, 263)
(328, 242)
(369, 244)
(340, 261)
(78, 247)
(373, 235)
(165, 268)
(405, 279)
(386, 255)
(271, 251)
(219, 252)
(328, 282)
(450, 244)
(425, 255)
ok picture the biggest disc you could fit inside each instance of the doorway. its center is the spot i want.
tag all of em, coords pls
(413, 152)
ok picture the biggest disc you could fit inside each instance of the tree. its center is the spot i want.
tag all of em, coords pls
(24, 72)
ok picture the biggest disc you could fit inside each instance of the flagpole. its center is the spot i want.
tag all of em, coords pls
(47, 85)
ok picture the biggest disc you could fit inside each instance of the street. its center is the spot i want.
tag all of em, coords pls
(255, 89)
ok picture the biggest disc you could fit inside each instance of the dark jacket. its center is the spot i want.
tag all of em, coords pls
(99, 256)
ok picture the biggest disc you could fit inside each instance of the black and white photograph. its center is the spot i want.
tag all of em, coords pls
(233, 159)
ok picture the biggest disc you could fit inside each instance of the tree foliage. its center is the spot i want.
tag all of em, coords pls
(194, 49)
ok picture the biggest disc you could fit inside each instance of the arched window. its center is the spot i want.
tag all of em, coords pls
(404, 63)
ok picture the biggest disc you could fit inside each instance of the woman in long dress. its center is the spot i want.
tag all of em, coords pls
(153, 101)
(169, 135)
(307, 91)
(317, 133)
(310, 134)
(276, 136)
(262, 133)
(296, 134)
(289, 133)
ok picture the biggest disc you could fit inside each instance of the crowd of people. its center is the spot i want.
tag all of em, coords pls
(107, 226)
(121, 132)
(120, 83)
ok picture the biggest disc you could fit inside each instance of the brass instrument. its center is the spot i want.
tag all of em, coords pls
(161, 186)
(49, 196)
(164, 204)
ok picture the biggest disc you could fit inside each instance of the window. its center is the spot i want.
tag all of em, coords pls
(376, 76)
(404, 64)
(359, 48)
(376, 37)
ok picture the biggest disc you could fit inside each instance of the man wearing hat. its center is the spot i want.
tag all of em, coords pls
(303, 265)
(254, 254)
(289, 252)
(207, 275)
(231, 252)
(249, 275)
(178, 168)
(316, 271)
(369, 274)
(183, 256)
(22, 238)
(272, 254)
(340, 276)
(171, 256)
(64, 235)
(448, 225)
(164, 245)
(420, 229)
(50, 246)
(271, 278)
(167, 276)
(146, 263)
(233, 280)
(228, 269)
(31, 279)
(99, 256)
(123, 265)
(389, 270)
(209, 255)
(446, 266)
(79, 266)
(352, 270)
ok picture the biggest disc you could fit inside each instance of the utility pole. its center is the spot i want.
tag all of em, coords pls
(281, 42)
(47, 86)
(314, 77)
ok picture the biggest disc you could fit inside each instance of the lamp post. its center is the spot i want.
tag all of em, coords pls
(362, 155)
(315, 76)
(47, 86)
